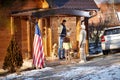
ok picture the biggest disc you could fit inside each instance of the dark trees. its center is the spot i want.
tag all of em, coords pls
(13, 59)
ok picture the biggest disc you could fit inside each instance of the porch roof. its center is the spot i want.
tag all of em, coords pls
(61, 7)
(53, 12)
(73, 4)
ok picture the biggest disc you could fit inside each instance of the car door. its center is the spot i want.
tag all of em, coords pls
(113, 38)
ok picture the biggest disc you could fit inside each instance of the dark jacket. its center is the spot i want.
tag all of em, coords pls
(63, 33)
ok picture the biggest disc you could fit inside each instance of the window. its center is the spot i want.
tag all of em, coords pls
(112, 31)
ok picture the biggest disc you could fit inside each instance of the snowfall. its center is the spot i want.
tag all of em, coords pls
(75, 73)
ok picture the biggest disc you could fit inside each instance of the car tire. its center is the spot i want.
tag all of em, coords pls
(105, 52)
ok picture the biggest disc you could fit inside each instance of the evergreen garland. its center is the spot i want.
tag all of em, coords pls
(13, 59)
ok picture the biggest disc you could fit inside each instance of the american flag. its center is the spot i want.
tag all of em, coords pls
(38, 54)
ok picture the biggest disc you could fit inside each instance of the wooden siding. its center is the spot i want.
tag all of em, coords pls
(4, 42)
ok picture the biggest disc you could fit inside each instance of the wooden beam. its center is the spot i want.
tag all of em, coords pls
(12, 26)
(49, 38)
(78, 23)
(42, 25)
(45, 36)
(87, 39)
(29, 38)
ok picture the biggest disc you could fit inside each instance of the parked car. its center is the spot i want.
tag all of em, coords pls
(110, 40)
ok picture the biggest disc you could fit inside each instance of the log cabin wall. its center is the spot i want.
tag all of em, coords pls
(21, 34)
(5, 35)
(22, 30)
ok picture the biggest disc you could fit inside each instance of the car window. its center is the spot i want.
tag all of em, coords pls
(112, 31)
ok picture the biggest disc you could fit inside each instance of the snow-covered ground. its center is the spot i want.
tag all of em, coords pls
(105, 68)
(74, 73)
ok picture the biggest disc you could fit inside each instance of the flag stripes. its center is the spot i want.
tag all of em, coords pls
(38, 54)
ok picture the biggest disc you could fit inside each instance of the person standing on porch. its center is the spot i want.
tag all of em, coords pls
(62, 31)
(82, 44)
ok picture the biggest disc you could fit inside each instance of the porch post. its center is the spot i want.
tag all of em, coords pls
(50, 42)
(49, 38)
(87, 39)
(12, 25)
(45, 37)
(78, 23)
(42, 26)
(28, 38)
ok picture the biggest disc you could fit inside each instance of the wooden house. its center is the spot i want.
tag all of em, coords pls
(49, 14)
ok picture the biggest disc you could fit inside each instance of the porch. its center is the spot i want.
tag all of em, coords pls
(48, 20)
